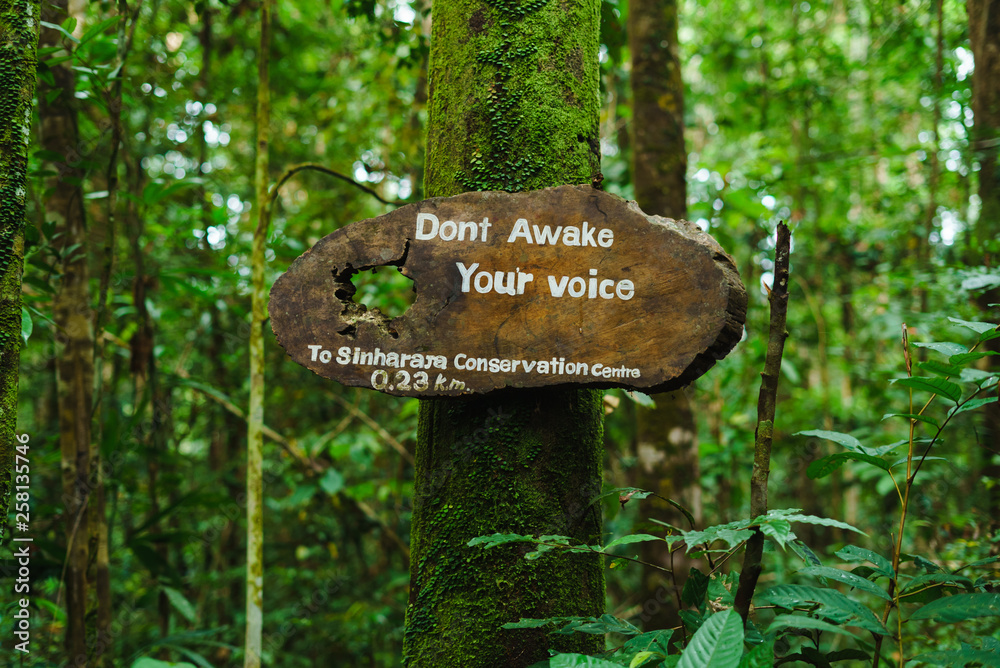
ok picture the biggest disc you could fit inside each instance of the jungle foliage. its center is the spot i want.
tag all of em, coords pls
(850, 120)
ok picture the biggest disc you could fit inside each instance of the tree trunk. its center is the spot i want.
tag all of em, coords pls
(984, 36)
(18, 43)
(73, 318)
(513, 106)
(667, 443)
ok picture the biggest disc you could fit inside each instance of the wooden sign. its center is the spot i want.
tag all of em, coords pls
(562, 286)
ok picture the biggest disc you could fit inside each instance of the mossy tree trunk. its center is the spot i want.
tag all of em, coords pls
(513, 106)
(666, 442)
(18, 44)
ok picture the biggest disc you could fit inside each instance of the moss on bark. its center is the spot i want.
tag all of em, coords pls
(513, 106)
(18, 45)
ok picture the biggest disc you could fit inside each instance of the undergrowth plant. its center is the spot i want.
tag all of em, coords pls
(866, 608)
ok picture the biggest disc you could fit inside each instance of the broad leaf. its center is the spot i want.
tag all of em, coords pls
(931, 579)
(761, 656)
(939, 386)
(643, 657)
(799, 622)
(960, 607)
(695, 589)
(833, 605)
(977, 327)
(973, 404)
(813, 519)
(958, 657)
(947, 348)
(845, 440)
(717, 644)
(632, 538)
(182, 605)
(851, 553)
(969, 357)
(850, 579)
(913, 416)
(499, 539)
(827, 465)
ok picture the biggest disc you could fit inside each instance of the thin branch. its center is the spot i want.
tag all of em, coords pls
(766, 401)
(367, 419)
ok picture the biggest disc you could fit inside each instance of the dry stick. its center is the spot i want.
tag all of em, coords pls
(778, 299)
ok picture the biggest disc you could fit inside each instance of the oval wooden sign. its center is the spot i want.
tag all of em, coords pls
(562, 286)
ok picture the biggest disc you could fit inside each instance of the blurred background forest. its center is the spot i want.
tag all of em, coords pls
(852, 120)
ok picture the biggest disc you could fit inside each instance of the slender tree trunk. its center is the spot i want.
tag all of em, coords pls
(984, 36)
(255, 414)
(667, 444)
(513, 106)
(18, 44)
(74, 334)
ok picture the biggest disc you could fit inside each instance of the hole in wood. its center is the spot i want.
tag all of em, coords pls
(384, 289)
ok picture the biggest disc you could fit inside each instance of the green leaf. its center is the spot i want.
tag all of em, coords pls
(632, 538)
(579, 661)
(657, 641)
(913, 416)
(805, 553)
(930, 579)
(27, 326)
(832, 604)
(643, 657)
(959, 657)
(852, 553)
(96, 30)
(960, 607)
(695, 589)
(940, 368)
(813, 519)
(850, 579)
(65, 33)
(717, 644)
(827, 465)
(778, 529)
(599, 626)
(332, 481)
(498, 539)
(799, 622)
(947, 348)
(973, 404)
(939, 386)
(977, 327)
(981, 562)
(761, 656)
(183, 605)
(845, 440)
(146, 662)
(969, 357)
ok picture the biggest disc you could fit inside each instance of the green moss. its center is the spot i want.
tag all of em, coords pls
(514, 103)
(18, 44)
(502, 466)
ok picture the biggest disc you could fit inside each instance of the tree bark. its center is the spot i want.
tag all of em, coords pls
(73, 317)
(667, 443)
(984, 246)
(513, 106)
(255, 414)
(18, 44)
